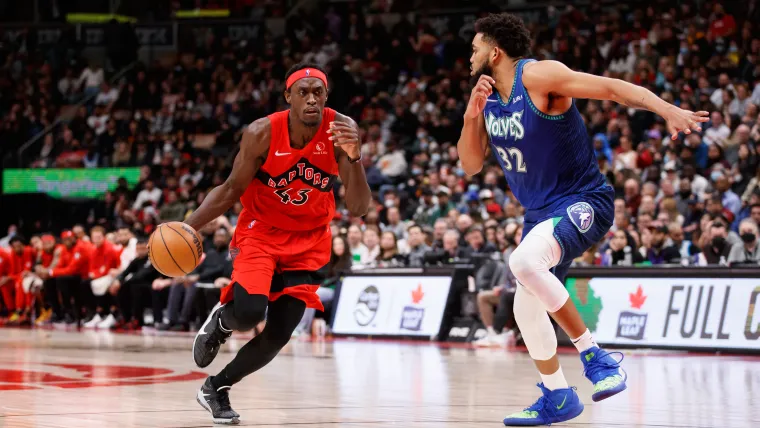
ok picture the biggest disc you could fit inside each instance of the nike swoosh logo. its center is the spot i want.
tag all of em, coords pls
(563, 403)
(277, 153)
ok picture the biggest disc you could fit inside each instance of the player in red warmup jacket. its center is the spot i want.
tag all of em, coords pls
(7, 302)
(104, 257)
(21, 261)
(283, 176)
(70, 276)
(48, 257)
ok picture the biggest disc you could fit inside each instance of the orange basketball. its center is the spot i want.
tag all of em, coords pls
(175, 249)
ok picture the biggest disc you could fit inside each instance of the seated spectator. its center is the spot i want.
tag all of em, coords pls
(451, 251)
(492, 281)
(173, 209)
(371, 240)
(590, 257)
(717, 249)
(417, 246)
(620, 252)
(657, 252)
(132, 289)
(359, 251)
(746, 252)
(439, 229)
(685, 247)
(394, 224)
(729, 199)
(389, 255)
(149, 194)
(476, 242)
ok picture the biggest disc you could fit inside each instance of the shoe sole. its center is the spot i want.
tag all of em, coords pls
(199, 398)
(527, 423)
(203, 328)
(602, 395)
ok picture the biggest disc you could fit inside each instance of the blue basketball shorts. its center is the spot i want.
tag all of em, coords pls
(580, 221)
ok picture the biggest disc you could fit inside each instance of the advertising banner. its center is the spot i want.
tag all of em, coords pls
(391, 305)
(67, 182)
(711, 313)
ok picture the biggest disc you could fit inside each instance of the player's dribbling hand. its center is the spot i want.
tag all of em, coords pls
(480, 93)
(345, 137)
(680, 120)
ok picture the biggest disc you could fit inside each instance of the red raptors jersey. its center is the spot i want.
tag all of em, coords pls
(293, 188)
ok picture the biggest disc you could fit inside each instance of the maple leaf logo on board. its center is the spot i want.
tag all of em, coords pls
(412, 315)
(417, 294)
(637, 299)
(632, 324)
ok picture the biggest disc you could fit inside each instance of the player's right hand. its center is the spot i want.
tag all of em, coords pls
(479, 96)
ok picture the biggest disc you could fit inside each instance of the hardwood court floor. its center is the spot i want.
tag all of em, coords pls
(51, 378)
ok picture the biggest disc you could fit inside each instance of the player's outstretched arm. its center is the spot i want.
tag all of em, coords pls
(253, 148)
(473, 141)
(555, 78)
(345, 137)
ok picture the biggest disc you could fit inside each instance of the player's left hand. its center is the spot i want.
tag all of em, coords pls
(680, 120)
(346, 137)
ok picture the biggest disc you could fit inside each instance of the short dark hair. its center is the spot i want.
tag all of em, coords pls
(753, 206)
(508, 31)
(17, 238)
(301, 66)
(414, 226)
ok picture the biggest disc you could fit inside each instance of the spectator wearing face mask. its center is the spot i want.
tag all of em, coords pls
(747, 251)
(717, 250)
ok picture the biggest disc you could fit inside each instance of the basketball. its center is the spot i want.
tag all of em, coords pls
(175, 249)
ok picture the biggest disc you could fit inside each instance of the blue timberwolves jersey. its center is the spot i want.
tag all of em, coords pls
(544, 158)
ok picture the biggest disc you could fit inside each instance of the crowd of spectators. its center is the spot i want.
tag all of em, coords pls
(690, 201)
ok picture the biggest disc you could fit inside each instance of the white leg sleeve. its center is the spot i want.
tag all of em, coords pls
(535, 325)
(531, 262)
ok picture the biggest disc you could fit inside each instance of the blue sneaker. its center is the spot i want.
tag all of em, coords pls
(604, 372)
(555, 406)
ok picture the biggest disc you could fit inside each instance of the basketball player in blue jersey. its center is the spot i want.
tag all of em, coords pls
(522, 110)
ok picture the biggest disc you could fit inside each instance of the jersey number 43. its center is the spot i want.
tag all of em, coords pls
(509, 154)
(300, 198)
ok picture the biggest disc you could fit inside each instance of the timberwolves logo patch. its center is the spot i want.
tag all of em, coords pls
(582, 216)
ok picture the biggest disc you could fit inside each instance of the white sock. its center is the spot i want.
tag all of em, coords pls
(491, 331)
(555, 380)
(584, 342)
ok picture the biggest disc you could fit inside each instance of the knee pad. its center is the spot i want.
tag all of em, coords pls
(535, 326)
(247, 309)
(531, 263)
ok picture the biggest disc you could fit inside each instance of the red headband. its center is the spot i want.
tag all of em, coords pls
(304, 73)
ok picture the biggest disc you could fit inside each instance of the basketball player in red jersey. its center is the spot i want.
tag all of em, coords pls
(283, 176)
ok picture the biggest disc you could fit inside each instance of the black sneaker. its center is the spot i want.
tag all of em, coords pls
(209, 338)
(217, 402)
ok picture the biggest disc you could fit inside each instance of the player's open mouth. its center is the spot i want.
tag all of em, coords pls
(311, 112)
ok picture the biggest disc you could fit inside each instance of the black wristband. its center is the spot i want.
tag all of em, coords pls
(354, 160)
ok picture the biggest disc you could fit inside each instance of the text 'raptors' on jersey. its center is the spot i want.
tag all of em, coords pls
(293, 189)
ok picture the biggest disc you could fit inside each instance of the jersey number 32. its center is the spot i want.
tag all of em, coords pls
(512, 153)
